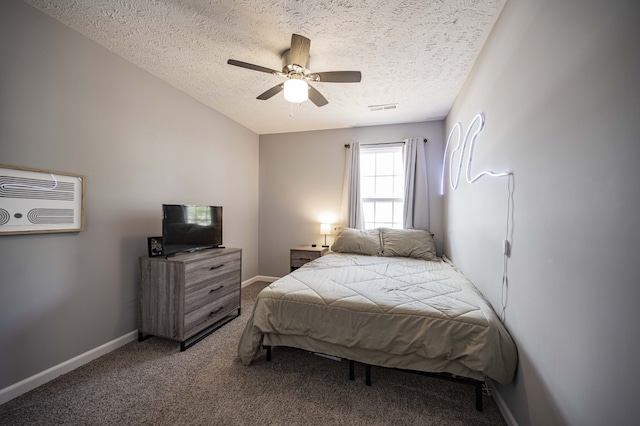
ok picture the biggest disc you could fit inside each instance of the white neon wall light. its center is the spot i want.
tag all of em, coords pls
(463, 139)
(457, 127)
(455, 168)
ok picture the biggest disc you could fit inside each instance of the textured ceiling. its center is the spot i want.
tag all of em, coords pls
(416, 53)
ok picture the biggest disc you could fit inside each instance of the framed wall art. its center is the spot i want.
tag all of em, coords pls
(34, 201)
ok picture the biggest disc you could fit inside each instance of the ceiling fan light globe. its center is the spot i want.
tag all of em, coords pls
(296, 91)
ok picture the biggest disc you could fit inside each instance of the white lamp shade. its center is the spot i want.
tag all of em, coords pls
(325, 228)
(296, 91)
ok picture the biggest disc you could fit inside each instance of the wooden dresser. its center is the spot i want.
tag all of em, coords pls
(188, 296)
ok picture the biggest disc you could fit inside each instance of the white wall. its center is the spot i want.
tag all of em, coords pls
(558, 81)
(67, 104)
(301, 178)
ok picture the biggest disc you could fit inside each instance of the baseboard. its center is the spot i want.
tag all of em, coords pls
(259, 278)
(30, 383)
(502, 405)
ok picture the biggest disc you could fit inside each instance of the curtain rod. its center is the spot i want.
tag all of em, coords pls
(348, 145)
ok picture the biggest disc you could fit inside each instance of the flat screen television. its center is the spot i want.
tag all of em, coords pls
(188, 228)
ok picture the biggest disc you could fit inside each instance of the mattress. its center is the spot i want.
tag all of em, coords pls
(387, 311)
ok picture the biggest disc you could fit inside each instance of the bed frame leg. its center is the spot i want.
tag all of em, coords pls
(268, 348)
(352, 370)
(368, 374)
(479, 396)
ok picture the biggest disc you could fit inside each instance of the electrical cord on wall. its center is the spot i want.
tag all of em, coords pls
(508, 238)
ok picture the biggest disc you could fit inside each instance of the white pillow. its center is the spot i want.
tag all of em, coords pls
(358, 241)
(415, 243)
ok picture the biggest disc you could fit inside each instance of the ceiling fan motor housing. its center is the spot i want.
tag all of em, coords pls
(288, 67)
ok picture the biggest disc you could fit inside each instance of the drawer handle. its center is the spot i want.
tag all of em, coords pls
(211, 315)
(216, 267)
(215, 289)
(305, 258)
(216, 311)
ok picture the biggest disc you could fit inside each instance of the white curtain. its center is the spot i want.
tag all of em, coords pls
(415, 185)
(351, 203)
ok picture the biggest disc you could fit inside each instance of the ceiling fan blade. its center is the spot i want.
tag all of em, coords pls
(316, 97)
(271, 92)
(338, 77)
(299, 52)
(252, 67)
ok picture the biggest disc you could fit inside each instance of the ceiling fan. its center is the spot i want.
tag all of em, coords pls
(294, 67)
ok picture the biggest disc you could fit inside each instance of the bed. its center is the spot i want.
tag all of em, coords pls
(383, 298)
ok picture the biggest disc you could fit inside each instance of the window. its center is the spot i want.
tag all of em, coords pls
(382, 185)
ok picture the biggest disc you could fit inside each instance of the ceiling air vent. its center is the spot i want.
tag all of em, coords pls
(382, 107)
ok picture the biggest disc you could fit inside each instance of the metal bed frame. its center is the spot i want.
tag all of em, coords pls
(477, 384)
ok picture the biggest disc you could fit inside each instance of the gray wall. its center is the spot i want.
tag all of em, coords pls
(301, 178)
(558, 81)
(67, 104)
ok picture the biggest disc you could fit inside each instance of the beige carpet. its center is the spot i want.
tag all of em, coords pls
(153, 383)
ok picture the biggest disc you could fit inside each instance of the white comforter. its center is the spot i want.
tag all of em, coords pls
(387, 311)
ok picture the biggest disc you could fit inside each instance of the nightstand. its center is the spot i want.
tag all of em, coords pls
(303, 254)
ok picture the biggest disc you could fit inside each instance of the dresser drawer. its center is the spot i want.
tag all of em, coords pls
(211, 268)
(211, 313)
(205, 292)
